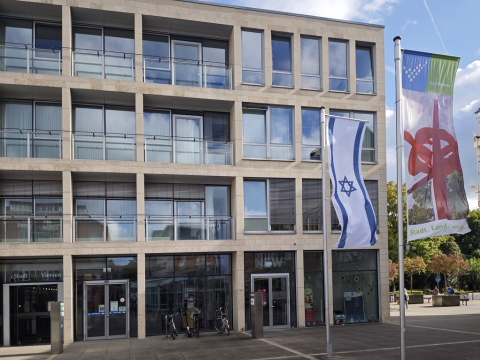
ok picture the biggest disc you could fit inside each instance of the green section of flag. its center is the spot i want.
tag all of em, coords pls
(441, 74)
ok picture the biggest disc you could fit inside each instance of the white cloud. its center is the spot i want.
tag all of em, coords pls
(390, 69)
(361, 10)
(390, 115)
(469, 107)
(413, 22)
(472, 201)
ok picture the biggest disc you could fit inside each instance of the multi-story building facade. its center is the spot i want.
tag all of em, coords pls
(163, 154)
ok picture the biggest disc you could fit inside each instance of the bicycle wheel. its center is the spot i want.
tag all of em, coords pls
(218, 325)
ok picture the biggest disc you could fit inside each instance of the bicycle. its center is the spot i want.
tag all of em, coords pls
(170, 322)
(221, 322)
(196, 322)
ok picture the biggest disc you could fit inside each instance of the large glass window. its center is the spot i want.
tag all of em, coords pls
(185, 283)
(269, 205)
(338, 65)
(156, 57)
(314, 287)
(268, 134)
(311, 135)
(311, 63)
(312, 205)
(372, 190)
(369, 145)
(282, 61)
(355, 286)
(187, 212)
(364, 65)
(252, 57)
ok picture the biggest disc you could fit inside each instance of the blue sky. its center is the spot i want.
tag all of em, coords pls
(455, 23)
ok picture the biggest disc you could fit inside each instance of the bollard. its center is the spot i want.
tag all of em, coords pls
(56, 327)
(256, 309)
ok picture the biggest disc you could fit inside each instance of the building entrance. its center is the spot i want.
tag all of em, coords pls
(276, 298)
(106, 309)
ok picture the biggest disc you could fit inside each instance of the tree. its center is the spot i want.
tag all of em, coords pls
(474, 273)
(426, 248)
(413, 266)
(470, 242)
(449, 246)
(392, 271)
(393, 220)
(448, 265)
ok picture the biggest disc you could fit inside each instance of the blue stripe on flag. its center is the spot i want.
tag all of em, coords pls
(343, 237)
(368, 206)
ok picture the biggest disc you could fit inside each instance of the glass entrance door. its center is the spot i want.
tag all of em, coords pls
(275, 289)
(106, 309)
(188, 134)
(30, 313)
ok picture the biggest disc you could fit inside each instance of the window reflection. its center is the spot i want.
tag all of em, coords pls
(338, 65)
(364, 65)
(310, 63)
(311, 135)
(252, 57)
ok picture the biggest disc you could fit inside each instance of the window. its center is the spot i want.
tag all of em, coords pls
(314, 296)
(156, 57)
(311, 65)
(282, 61)
(311, 135)
(252, 57)
(268, 134)
(369, 141)
(269, 205)
(338, 65)
(372, 189)
(312, 205)
(365, 72)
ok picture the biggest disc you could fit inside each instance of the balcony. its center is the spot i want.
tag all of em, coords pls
(168, 150)
(93, 64)
(30, 229)
(189, 228)
(105, 228)
(96, 146)
(30, 60)
(187, 73)
(31, 144)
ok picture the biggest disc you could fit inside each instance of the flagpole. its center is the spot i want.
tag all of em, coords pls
(398, 98)
(325, 247)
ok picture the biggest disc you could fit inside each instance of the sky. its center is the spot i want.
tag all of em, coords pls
(436, 26)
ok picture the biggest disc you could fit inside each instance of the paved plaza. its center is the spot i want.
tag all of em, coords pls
(431, 333)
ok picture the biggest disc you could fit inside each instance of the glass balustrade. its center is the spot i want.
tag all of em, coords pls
(29, 229)
(187, 73)
(167, 150)
(93, 146)
(189, 228)
(30, 144)
(30, 60)
(105, 228)
(94, 64)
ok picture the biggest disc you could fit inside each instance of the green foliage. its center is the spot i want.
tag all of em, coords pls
(393, 220)
(449, 246)
(474, 274)
(422, 209)
(470, 242)
(428, 247)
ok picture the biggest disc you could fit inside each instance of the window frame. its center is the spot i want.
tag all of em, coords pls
(321, 142)
(268, 142)
(352, 115)
(269, 230)
(262, 55)
(303, 214)
(347, 57)
(291, 73)
(149, 57)
(319, 39)
(372, 48)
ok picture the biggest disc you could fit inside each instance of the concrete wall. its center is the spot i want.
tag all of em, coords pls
(243, 168)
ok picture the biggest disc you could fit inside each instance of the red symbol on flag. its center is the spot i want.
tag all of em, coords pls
(436, 163)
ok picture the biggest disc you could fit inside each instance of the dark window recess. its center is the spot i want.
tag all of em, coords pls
(282, 204)
(312, 205)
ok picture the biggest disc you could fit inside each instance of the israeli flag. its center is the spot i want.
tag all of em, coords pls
(349, 196)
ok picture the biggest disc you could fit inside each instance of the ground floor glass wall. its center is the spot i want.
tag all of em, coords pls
(355, 286)
(313, 288)
(270, 271)
(184, 283)
(90, 269)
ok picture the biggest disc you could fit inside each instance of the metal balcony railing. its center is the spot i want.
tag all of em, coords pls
(187, 73)
(31, 229)
(105, 228)
(26, 59)
(168, 150)
(161, 228)
(31, 144)
(94, 64)
(96, 146)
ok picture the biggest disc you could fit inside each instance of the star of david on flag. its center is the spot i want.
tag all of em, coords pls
(344, 183)
(349, 195)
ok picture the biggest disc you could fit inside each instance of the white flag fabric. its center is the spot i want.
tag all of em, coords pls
(349, 195)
